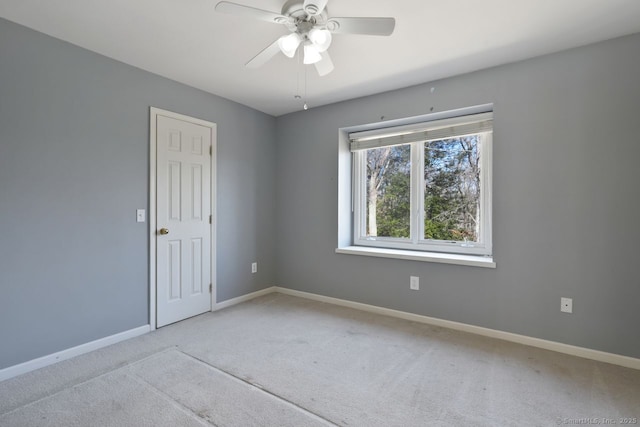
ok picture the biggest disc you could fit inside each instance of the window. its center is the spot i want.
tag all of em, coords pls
(424, 186)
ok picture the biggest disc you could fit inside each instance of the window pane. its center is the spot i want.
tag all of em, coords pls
(452, 189)
(389, 192)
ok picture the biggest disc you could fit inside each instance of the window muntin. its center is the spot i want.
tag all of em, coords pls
(428, 194)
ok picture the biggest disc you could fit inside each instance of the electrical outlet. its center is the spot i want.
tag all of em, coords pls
(254, 267)
(566, 305)
(414, 283)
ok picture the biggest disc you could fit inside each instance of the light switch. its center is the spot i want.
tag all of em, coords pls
(140, 215)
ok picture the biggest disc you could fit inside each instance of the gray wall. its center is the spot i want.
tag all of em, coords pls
(566, 201)
(74, 167)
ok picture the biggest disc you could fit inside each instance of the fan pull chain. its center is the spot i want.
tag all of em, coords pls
(303, 97)
(297, 96)
(298, 76)
(305, 106)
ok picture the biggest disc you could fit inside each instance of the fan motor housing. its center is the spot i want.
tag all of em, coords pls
(295, 9)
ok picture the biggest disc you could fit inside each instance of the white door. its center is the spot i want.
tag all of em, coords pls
(183, 209)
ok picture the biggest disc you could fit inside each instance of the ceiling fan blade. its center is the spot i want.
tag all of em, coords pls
(325, 65)
(252, 12)
(314, 7)
(367, 26)
(260, 59)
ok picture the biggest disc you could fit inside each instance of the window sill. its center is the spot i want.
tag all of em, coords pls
(470, 260)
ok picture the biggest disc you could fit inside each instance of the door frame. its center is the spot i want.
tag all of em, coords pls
(153, 119)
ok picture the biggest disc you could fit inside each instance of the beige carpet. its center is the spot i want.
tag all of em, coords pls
(284, 361)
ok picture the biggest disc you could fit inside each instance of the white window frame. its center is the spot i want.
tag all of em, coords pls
(416, 243)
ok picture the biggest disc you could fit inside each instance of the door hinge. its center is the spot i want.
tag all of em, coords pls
(211, 150)
(210, 219)
(210, 288)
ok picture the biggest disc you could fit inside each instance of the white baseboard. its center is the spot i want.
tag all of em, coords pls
(243, 298)
(41, 362)
(600, 356)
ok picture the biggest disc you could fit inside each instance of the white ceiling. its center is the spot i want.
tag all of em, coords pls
(187, 41)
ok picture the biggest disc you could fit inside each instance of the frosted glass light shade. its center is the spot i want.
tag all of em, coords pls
(320, 38)
(289, 44)
(311, 54)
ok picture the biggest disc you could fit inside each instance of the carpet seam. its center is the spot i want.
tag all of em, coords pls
(256, 386)
(175, 403)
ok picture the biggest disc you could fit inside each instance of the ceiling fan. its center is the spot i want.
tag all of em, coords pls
(310, 27)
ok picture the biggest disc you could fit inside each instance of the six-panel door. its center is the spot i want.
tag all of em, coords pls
(183, 183)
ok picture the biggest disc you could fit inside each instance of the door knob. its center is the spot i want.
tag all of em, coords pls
(164, 231)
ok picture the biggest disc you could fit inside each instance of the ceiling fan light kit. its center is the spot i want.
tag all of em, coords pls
(310, 27)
